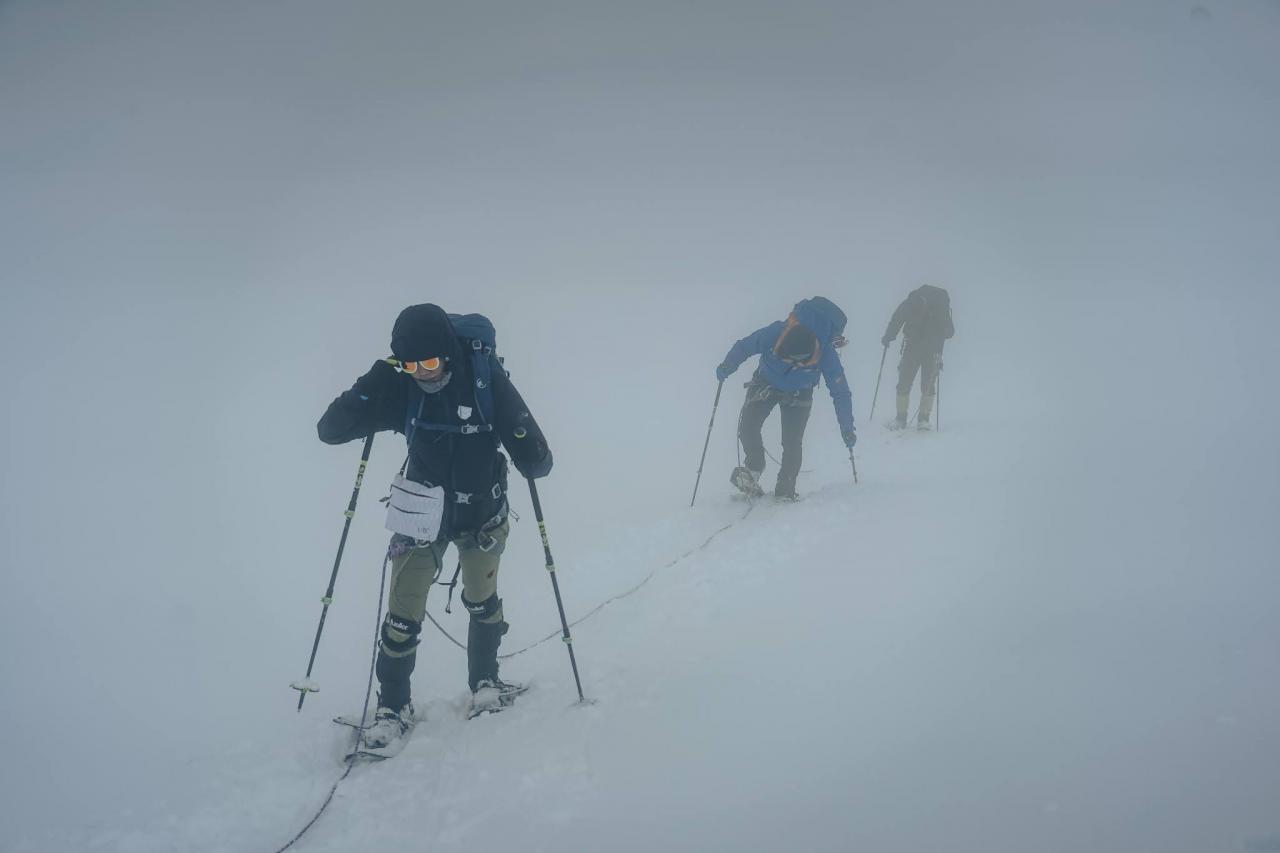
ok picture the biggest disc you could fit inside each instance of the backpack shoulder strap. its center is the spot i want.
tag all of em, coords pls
(413, 411)
(482, 358)
(476, 333)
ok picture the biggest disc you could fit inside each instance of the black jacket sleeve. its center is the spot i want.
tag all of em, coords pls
(375, 403)
(898, 319)
(518, 431)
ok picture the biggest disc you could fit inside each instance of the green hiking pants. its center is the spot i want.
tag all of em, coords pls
(414, 572)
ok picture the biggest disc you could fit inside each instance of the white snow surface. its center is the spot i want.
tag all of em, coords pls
(923, 659)
(1050, 626)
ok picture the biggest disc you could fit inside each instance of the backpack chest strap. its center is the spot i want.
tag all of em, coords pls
(457, 429)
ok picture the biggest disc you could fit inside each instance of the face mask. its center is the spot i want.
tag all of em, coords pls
(433, 387)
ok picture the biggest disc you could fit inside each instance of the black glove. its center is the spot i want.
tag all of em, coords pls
(541, 467)
(850, 438)
(724, 371)
(885, 341)
(356, 411)
(373, 384)
(534, 462)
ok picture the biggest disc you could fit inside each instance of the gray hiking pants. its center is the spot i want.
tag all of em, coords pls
(925, 362)
(795, 407)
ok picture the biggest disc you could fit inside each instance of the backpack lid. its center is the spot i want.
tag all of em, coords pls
(933, 295)
(475, 327)
(822, 317)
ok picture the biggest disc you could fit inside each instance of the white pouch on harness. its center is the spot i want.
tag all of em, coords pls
(415, 510)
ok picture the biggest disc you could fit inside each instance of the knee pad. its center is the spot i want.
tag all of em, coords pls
(399, 636)
(486, 610)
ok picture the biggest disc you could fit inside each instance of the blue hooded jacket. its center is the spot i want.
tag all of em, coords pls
(827, 322)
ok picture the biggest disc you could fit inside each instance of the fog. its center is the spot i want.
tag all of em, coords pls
(210, 215)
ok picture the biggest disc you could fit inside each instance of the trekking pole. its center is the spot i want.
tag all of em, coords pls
(878, 375)
(306, 685)
(707, 443)
(855, 466)
(555, 585)
(937, 384)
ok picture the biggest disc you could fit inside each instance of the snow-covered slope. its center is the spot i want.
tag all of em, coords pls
(1050, 626)
(890, 665)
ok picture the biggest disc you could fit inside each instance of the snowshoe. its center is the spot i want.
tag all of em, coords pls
(746, 481)
(898, 423)
(388, 733)
(787, 497)
(923, 425)
(493, 695)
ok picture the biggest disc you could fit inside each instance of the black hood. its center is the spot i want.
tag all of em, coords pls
(424, 331)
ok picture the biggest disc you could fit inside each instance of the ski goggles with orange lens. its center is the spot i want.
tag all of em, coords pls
(428, 364)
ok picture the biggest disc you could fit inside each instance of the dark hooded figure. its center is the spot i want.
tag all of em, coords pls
(434, 390)
(794, 354)
(924, 318)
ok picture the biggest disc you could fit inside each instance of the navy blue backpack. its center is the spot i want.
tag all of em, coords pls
(478, 337)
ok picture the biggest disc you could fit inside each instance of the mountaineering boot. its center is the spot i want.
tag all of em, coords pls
(785, 488)
(926, 409)
(489, 693)
(747, 481)
(397, 656)
(483, 639)
(900, 421)
(389, 726)
(492, 695)
(484, 635)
